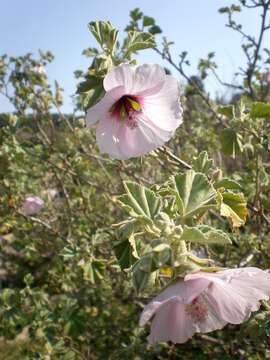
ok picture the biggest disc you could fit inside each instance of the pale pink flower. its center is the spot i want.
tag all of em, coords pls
(204, 302)
(32, 205)
(47, 254)
(139, 112)
(37, 275)
(20, 255)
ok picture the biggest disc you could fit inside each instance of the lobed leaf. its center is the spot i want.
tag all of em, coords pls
(205, 235)
(233, 207)
(139, 41)
(231, 142)
(140, 201)
(194, 194)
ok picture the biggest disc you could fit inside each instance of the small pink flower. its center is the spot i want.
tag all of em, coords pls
(47, 254)
(204, 302)
(139, 112)
(37, 275)
(20, 255)
(32, 205)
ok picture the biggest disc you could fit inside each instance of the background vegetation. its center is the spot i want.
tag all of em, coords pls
(63, 294)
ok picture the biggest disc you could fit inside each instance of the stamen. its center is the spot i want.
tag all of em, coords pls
(126, 109)
(197, 309)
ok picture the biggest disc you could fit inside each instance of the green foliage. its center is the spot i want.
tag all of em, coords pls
(139, 41)
(231, 142)
(140, 202)
(194, 194)
(126, 252)
(260, 110)
(72, 283)
(234, 207)
(205, 235)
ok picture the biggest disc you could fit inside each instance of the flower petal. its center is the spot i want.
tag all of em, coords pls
(230, 306)
(136, 79)
(140, 140)
(185, 291)
(163, 107)
(107, 136)
(101, 109)
(212, 321)
(171, 323)
(253, 284)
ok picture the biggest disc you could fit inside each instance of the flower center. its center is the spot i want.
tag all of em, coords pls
(197, 309)
(126, 109)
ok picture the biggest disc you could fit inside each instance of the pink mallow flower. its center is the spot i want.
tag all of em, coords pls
(47, 254)
(139, 112)
(203, 302)
(32, 205)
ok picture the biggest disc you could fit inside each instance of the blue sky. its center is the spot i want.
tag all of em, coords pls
(61, 27)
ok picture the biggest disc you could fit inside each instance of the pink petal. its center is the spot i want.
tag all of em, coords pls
(171, 323)
(135, 79)
(140, 140)
(229, 306)
(163, 107)
(107, 137)
(253, 284)
(184, 291)
(212, 321)
(32, 205)
(101, 109)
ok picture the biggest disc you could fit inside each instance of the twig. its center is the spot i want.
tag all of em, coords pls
(42, 223)
(177, 160)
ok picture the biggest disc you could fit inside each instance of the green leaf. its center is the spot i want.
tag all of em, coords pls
(260, 110)
(224, 10)
(91, 83)
(93, 96)
(104, 33)
(96, 29)
(139, 41)
(162, 256)
(227, 184)
(215, 236)
(140, 201)
(233, 207)
(202, 163)
(93, 271)
(148, 21)
(69, 251)
(231, 142)
(125, 230)
(205, 235)
(141, 272)
(227, 111)
(154, 30)
(126, 252)
(100, 239)
(194, 194)
(146, 267)
(90, 52)
(136, 14)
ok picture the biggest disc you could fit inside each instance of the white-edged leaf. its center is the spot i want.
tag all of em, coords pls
(193, 192)
(205, 235)
(140, 201)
